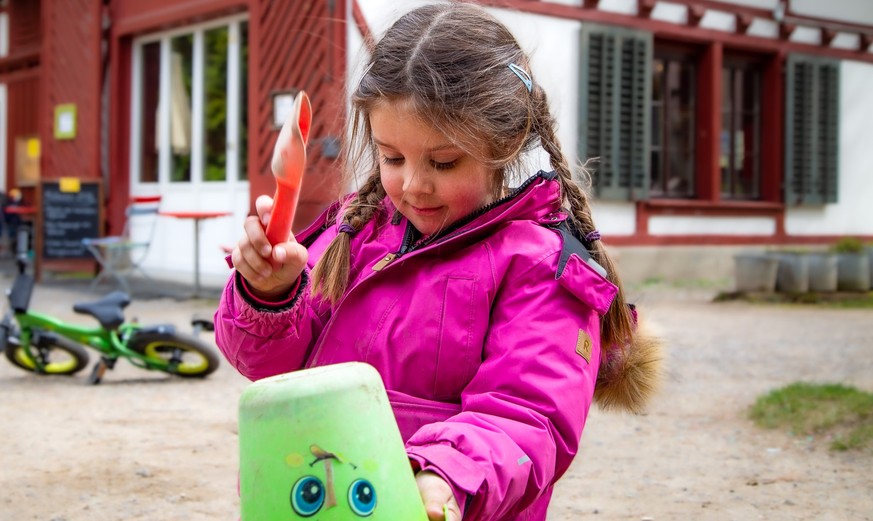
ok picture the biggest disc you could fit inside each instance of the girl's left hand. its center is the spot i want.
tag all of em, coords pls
(439, 502)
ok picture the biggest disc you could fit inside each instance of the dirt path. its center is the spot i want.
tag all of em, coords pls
(142, 446)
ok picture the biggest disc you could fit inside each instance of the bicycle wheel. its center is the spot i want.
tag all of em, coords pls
(187, 356)
(59, 357)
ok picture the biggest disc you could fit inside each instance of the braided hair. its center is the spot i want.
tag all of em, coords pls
(450, 63)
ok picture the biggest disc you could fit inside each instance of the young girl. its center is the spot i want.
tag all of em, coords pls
(487, 310)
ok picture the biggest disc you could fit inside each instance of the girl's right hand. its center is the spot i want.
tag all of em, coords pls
(270, 270)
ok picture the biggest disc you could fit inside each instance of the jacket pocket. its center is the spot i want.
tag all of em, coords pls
(456, 357)
(413, 413)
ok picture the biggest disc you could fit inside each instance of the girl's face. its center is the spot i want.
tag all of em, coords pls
(432, 182)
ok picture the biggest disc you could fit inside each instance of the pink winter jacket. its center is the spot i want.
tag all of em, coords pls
(487, 339)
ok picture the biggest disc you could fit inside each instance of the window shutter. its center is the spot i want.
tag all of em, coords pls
(811, 130)
(614, 109)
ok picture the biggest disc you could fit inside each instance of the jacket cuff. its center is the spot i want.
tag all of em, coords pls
(467, 477)
(243, 289)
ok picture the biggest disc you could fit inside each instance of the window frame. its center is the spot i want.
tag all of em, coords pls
(233, 175)
(671, 52)
(748, 63)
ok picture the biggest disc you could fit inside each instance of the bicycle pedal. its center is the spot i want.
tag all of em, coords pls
(97, 373)
(100, 370)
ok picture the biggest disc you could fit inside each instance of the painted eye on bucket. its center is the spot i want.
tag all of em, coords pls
(362, 497)
(307, 496)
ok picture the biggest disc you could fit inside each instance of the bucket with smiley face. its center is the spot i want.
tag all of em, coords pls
(322, 443)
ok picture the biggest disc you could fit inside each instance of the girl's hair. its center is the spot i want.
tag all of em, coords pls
(451, 63)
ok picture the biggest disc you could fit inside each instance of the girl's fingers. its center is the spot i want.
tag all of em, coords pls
(263, 206)
(439, 503)
(254, 233)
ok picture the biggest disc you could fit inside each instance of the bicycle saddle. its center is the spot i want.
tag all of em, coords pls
(107, 310)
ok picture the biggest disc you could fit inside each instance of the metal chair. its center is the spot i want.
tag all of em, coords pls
(121, 255)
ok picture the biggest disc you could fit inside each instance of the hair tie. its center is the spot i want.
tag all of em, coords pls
(522, 75)
(592, 236)
(347, 228)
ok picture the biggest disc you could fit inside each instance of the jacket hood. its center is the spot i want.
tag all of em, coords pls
(631, 375)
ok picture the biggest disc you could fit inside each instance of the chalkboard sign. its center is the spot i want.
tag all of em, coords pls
(69, 214)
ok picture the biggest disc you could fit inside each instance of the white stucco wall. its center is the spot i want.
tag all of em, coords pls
(853, 213)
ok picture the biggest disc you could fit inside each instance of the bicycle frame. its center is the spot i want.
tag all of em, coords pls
(111, 343)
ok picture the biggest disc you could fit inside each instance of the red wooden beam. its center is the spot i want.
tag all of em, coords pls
(695, 14)
(645, 8)
(743, 22)
(827, 36)
(364, 29)
(708, 132)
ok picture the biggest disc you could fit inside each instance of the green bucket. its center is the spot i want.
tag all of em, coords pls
(323, 443)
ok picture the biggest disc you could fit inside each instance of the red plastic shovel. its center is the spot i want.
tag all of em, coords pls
(289, 161)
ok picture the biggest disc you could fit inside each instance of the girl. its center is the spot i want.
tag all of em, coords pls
(487, 310)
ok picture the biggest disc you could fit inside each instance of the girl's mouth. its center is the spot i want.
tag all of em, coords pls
(425, 211)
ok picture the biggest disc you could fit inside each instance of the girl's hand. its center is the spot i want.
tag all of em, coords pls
(439, 502)
(270, 270)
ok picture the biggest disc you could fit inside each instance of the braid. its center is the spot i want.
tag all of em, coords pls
(617, 326)
(330, 276)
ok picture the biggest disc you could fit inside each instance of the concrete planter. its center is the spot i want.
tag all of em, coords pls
(822, 271)
(793, 273)
(755, 273)
(869, 250)
(853, 271)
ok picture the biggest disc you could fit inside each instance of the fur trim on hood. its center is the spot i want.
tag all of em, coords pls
(630, 375)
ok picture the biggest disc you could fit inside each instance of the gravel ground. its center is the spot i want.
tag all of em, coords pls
(144, 446)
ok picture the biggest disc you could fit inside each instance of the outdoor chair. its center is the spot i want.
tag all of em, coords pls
(120, 256)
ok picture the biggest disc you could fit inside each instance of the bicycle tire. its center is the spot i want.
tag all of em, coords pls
(60, 357)
(197, 359)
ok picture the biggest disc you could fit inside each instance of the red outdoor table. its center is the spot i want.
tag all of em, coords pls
(197, 216)
(21, 210)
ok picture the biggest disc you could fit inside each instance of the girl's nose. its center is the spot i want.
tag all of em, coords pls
(417, 182)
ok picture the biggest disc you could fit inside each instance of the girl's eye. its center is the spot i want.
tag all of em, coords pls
(391, 160)
(448, 165)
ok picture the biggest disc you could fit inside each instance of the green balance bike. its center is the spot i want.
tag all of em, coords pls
(45, 345)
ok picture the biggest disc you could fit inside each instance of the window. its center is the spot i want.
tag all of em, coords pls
(811, 130)
(674, 94)
(740, 137)
(672, 120)
(198, 134)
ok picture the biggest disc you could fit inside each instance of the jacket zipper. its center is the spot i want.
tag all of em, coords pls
(408, 244)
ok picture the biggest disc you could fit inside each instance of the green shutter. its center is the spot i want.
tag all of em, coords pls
(614, 109)
(812, 104)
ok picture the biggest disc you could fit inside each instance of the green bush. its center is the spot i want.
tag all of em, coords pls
(848, 245)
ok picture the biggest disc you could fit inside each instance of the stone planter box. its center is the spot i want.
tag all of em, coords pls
(793, 273)
(822, 271)
(853, 271)
(755, 273)
(870, 264)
